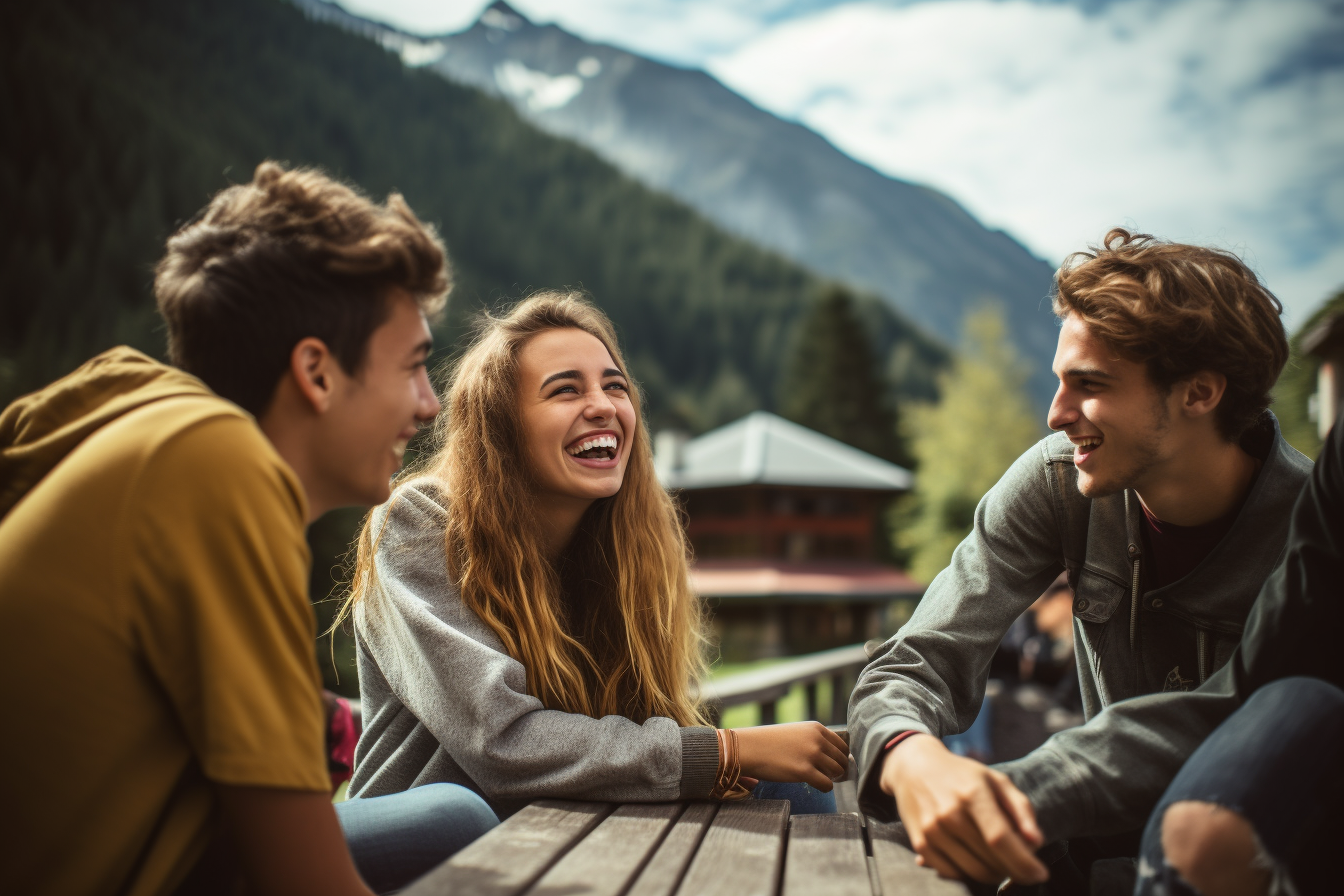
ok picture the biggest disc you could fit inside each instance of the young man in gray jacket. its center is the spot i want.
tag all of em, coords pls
(1165, 495)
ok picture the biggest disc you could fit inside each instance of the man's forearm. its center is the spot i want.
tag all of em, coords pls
(1105, 777)
(931, 676)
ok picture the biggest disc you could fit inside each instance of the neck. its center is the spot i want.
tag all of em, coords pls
(1197, 487)
(559, 519)
(290, 441)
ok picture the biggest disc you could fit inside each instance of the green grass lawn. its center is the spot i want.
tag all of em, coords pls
(791, 708)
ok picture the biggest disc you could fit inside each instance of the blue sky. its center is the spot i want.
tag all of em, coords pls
(1211, 121)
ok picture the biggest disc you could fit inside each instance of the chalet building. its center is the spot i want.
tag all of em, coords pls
(785, 527)
(1326, 341)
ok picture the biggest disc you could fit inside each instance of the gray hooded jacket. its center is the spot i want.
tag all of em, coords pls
(443, 701)
(1129, 640)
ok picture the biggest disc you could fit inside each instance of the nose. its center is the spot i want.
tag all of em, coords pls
(1063, 410)
(599, 406)
(427, 405)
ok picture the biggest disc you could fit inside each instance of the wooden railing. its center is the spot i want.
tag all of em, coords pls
(767, 686)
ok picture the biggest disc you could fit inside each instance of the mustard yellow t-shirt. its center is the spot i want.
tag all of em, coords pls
(157, 637)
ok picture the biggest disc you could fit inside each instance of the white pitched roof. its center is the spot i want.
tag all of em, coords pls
(764, 449)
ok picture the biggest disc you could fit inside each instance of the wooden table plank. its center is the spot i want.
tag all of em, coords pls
(897, 872)
(603, 863)
(663, 873)
(742, 852)
(873, 882)
(509, 858)
(826, 857)
(847, 792)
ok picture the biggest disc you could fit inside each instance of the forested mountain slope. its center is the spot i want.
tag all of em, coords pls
(122, 118)
(773, 181)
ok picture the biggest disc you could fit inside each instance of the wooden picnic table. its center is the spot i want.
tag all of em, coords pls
(747, 848)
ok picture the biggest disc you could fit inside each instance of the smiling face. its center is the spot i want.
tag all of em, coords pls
(375, 412)
(577, 417)
(1120, 422)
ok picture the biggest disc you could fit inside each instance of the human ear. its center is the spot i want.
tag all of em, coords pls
(1203, 392)
(312, 366)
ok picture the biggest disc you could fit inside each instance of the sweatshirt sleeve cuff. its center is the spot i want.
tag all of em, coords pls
(699, 762)
(870, 755)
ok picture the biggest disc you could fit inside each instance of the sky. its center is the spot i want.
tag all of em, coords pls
(1219, 122)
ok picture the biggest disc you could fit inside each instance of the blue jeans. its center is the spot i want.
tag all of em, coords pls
(976, 741)
(1278, 761)
(396, 838)
(804, 799)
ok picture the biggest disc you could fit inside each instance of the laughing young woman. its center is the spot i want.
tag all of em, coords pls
(523, 616)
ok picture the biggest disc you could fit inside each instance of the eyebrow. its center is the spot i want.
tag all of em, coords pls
(1091, 373)
(562, 375)
(575, 375)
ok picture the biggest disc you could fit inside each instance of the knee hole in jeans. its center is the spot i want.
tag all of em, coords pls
(1204, 841)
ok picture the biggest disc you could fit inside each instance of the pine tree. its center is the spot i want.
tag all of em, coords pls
(832, 382)
(963, 444)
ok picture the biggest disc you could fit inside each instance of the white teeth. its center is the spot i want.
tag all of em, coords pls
(399, 449)
(599, 442)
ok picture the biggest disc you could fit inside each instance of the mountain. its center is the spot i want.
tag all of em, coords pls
(775, 182)
(122, 118)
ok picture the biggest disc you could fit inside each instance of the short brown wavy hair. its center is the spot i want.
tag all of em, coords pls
(290, 255)
(1180, 309)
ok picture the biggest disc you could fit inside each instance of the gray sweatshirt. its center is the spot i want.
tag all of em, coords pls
(442, 701)
(1129, 640)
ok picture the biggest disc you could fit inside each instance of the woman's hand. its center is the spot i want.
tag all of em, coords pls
(800, 752)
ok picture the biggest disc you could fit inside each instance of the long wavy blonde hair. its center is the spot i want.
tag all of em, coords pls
(613, 628)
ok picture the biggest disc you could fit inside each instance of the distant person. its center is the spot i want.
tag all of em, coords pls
(1165, 496)
(166, 724)
(524, 621)
(1038, 646)
(1241, 780)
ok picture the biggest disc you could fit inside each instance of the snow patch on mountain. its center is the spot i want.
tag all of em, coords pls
(539, 91)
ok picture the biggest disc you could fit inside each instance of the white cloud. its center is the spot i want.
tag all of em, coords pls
(682, 32)
(1047, 121)
(419, 16)
(1054, 124)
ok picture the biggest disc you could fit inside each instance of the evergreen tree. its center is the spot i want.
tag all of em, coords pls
(122, 118)
(832, 383)
(964, 443)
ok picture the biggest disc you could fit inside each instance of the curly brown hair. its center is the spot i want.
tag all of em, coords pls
(290, 255)
(1180, 309)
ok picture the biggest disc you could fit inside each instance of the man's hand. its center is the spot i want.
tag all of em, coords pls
(964, 819)
(806, 752)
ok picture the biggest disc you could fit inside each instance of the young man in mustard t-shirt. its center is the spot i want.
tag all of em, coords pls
(165, 723)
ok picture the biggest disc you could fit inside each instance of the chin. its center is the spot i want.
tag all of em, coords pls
(605, 491)
(375, 495)
(1093, 487)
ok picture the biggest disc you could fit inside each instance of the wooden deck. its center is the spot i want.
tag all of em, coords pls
(750, 848)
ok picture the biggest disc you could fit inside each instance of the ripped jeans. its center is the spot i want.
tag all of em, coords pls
(1278, 762)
